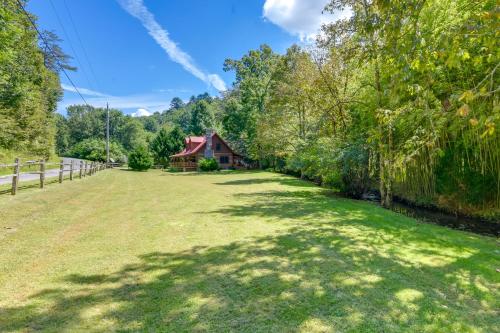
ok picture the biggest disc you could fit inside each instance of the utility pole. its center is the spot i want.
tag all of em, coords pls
(107, 134)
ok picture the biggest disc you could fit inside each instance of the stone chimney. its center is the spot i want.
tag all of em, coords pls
(209, 152)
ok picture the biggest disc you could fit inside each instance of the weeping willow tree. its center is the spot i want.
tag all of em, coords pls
(432, 66)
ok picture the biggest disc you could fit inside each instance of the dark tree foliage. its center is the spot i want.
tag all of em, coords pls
(176, 103)
(202, 117)
(167, 143)
(62, 135)
(54, 57)
(140, 159)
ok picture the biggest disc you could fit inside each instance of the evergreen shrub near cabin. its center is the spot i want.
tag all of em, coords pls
(140, 159)
(208, 164)
(166, 143)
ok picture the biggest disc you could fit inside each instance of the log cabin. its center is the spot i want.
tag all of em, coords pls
(209, 146)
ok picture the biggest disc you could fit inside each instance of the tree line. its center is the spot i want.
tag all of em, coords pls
(29, 82)
(401, 97)
(82, 132)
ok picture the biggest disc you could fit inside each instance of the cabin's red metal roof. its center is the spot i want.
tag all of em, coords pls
(200, 143)
(190, 150)
(199, 139)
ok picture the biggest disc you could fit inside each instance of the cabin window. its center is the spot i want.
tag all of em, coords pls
(224, 160)
(217, 147)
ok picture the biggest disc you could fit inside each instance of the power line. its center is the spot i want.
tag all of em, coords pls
(85, 55)
(51, 51)
(70, 44)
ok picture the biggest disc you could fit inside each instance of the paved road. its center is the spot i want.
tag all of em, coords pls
(49, 173)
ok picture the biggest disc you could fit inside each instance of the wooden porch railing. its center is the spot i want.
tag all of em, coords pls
(184, 165)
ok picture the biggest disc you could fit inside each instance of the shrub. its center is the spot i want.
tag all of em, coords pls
(208, 164)
(333, 164)
(140, 159)
(95, 150)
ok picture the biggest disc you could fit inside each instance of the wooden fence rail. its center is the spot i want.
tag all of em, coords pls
(85, 169)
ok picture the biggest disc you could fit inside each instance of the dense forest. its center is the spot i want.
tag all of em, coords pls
(401, 99)
(29, 83)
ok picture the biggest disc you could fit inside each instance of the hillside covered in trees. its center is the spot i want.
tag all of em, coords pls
(29, 83)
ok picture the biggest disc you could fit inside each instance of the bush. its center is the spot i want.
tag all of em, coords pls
(208, 164)
(95, 150)
(333, 164)
(140, 159)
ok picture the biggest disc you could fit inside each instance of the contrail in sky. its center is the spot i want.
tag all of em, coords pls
(137, 9)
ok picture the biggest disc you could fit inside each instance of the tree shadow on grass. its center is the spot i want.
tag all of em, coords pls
(212, 173)
(340, 265)
(258, 181)
(306, 279)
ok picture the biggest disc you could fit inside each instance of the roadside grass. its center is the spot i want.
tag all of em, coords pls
(234, 251)
(8, 157)
(32, 184)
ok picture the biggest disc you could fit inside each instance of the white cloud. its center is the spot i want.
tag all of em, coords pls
(137, 9)
(145, 104)
(217, 82)
(302, 18)
(141, 113)
(83, 91)
(172, 90)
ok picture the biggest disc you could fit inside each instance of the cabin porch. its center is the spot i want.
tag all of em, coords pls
(184, 163)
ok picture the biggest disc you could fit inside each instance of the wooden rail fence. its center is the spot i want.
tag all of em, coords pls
(84, 168)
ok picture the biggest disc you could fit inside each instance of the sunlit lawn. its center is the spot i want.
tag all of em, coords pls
(242, 252)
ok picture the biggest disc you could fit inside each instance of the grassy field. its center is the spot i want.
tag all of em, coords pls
(243, 252)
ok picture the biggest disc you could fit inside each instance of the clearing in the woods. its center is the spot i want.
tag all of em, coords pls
(235, 251)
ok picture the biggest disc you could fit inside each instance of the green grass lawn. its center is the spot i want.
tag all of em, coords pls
(243, 252)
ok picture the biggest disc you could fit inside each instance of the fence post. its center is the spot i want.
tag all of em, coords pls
(81, 169)
(85, 170)
(42, 173)
(61, 171)
(71, 170)
(15, 177)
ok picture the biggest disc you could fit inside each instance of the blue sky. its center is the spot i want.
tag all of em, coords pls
(139, 54)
